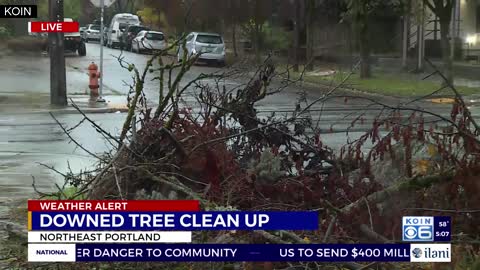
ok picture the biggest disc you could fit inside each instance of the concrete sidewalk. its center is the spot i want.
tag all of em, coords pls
(40, 103)
(25, 88)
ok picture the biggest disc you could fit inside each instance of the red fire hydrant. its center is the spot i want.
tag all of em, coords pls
(94, 75)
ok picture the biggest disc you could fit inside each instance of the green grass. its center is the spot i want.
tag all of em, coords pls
(68, 193)
(388, 84)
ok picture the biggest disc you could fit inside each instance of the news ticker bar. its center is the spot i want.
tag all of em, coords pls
(239, 252)
(18, 11)
(110, 237)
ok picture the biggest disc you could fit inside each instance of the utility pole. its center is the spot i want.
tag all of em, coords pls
(296, 33)
(406, 36)
(58, 81)
(102, 8)
(101, 4)
(310, 7)
(421, 41)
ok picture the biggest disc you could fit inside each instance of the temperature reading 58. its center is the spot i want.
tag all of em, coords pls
(443, 224)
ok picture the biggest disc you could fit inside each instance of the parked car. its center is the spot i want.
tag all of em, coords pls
(73, 41)
(82, 30)
(129, 34)
(148, 41)
(210, 46)
(118, 24)
(92, 33)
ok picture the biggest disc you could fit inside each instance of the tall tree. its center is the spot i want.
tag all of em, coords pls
(174, 11)
(361, 13)
(310, 8)
(72, 9)
(207, 18)
(443, 10)
(297, 25)
(260, 11)
(123, 6)
(236, 14)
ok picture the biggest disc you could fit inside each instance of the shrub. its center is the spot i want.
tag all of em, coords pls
(270, 37)
(27, 44)
(4, 32)
(275, 38)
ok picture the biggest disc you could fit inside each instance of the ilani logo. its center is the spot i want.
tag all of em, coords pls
(417, 253)
(417, 229)
(430, 252)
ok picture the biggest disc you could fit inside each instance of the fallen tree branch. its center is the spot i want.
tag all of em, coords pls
(272, 238)
(97, 127)
(409, 185)
(294, 237)
(373, 235)
(73, 140)
(94, 181)
(330, 229)
(445, 210)
(177, 187)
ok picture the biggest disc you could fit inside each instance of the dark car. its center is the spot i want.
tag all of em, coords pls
(73, 42)
(129, 34)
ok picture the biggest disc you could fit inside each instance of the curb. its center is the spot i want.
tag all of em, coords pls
(350, 90)
(71, 110)
(443, 100)
(108, 109)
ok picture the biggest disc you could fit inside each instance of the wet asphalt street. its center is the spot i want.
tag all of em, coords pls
(29, 136)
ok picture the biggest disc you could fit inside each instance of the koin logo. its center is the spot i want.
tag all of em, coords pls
(417, 229)
(421, 232)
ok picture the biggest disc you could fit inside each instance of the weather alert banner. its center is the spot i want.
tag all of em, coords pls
(137, 231)
(95, 232)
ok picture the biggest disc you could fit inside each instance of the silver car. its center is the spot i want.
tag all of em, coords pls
(148, 41)
(210, 46)
(92, 32)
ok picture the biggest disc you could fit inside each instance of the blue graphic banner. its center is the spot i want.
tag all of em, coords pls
(173, 221)
(426, 229)
(243, 252)
(442, 229)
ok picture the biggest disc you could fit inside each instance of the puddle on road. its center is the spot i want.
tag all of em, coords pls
(17, 173)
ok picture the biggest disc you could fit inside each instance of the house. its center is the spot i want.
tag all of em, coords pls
(464, 29)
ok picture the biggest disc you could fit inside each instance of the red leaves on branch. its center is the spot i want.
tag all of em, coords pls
(212, 173)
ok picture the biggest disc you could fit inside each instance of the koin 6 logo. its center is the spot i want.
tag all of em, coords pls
(417, 229)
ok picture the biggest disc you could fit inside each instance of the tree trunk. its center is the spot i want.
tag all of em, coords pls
(446, 50)
(296, 37)
(365, 71)
(406, 19)
(256, 32)
(234, 38)
(420, 45)
(256, 42)
(310, 34)
(406, 35)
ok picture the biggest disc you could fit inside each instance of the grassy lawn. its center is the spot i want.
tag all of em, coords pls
(387, 84)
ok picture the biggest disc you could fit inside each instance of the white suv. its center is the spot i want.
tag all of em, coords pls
(210, 46)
